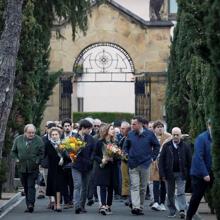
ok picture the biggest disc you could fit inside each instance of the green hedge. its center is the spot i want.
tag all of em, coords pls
(103, 116)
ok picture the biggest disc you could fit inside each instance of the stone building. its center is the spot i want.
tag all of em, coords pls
(119, 65)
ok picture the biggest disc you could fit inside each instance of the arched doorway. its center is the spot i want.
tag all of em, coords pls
(103, 80)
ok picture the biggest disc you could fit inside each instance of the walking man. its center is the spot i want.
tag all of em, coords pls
(174, 166)
(28, 152)
(200, 172)
(142, 147)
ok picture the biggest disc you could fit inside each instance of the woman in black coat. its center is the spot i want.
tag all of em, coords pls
(55, 179)
(106, 171)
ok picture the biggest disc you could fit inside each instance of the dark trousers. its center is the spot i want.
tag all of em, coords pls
(159, 190)
(68, 186)
(199, 187)
(106, 192)
(92, 189)
(28, 182)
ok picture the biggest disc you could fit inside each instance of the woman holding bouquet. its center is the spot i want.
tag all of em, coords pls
(106, 172)
(56, 157)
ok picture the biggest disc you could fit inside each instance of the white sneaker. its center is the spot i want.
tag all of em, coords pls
(156, 207)
(162, 207)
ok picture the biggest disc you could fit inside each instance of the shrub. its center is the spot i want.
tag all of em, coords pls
(103, 116)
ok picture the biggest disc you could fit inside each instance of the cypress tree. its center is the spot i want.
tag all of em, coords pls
(213, 35)
(177, 89)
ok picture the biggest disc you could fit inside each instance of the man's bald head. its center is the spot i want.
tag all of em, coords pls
(176, 134)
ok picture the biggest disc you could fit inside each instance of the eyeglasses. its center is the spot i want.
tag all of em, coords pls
(96, 126)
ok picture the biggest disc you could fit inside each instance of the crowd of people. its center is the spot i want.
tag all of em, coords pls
(155, 163)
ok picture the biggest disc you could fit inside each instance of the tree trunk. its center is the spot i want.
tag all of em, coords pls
(9, 185)
(9, 46)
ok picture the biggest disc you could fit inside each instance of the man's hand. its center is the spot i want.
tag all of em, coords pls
(17, 161)
(207, 178)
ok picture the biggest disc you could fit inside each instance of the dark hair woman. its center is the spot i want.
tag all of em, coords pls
(106, 172)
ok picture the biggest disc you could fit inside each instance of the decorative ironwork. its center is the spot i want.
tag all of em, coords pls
(65, 98)
(104, 62)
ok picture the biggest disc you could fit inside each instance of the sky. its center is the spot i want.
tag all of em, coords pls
(138, 7)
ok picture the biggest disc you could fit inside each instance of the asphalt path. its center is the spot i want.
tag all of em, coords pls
(120, 211)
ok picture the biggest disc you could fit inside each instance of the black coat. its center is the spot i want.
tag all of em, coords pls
(109, 174)
(55, 178)
(84, 159)
(166, 160)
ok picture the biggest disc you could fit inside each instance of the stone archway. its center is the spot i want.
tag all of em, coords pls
(146, 42)
(103, 71)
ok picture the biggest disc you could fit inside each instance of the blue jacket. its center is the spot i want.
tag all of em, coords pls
(202, 158)
(141, 148)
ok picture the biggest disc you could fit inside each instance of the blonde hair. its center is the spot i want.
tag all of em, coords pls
(55, 129)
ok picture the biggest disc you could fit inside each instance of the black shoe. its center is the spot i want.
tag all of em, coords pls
(127, 203)
(58, 210)
(83, 210)
(26, 210)
(134, 211)
(31, 208)
(77, 211)
(140, 212)
(137, 211)
(90, 202)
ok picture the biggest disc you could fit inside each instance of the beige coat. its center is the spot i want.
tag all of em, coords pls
(154, 170)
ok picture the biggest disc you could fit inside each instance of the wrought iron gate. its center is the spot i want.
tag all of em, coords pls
(143, 97)
(143, 91)
(65, 97)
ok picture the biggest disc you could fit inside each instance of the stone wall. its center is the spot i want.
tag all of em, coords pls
(147, 46)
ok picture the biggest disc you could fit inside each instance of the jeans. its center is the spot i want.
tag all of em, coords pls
(178, 181)
(28, 182)
(81, 181)
(138, 184)
(199, 187)
(159, 190)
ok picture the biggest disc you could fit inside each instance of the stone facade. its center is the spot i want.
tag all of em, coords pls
(147, 45)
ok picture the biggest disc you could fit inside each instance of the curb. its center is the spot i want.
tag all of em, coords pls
(10, 202)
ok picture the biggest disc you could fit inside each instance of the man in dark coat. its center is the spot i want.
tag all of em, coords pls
(174, 165)
(201, 175)
(28, 152)
(82, 167)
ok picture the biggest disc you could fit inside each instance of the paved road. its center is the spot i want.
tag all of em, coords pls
(119, 212)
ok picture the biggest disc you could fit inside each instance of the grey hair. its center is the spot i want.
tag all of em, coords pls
(125, 123)
(29, 126)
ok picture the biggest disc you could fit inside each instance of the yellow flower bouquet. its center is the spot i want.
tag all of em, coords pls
(72, 146)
